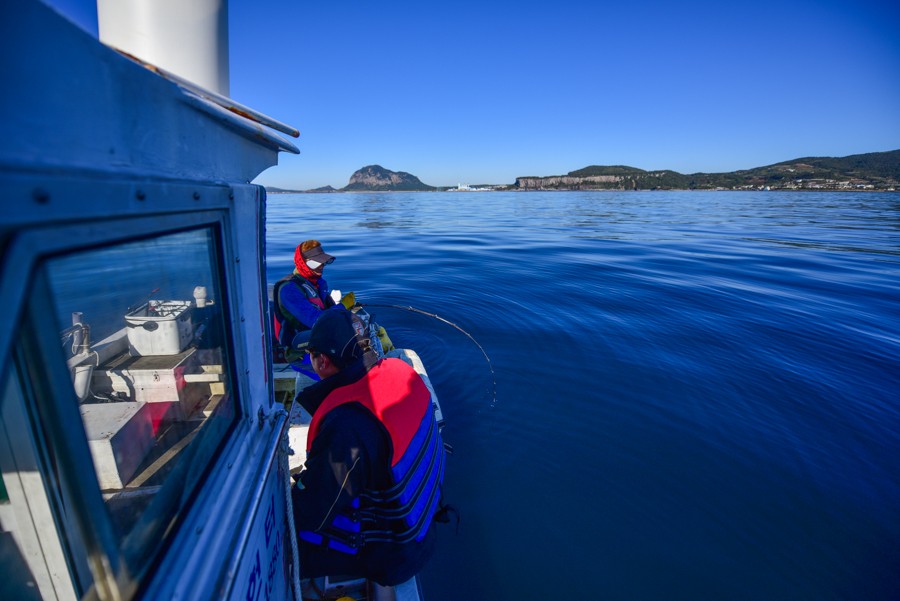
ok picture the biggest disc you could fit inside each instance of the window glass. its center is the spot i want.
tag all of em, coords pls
(143, 330)
(33, 557)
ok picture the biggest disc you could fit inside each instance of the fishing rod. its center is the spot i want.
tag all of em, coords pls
(142, 301)
(448, 322)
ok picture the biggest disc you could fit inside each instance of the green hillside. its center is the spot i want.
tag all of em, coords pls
(872, 171)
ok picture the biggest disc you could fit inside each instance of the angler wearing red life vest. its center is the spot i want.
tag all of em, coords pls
(299, 298)
(367, 500)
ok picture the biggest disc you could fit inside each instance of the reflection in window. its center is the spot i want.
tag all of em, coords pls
(143, 329)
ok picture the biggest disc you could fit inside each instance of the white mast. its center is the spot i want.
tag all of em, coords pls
(187, 37)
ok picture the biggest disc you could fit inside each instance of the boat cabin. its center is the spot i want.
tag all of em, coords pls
(141, 451)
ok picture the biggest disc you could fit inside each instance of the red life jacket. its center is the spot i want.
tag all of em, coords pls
(398, 398)
(403, 401)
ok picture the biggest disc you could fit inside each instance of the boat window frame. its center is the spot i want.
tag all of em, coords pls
(32, 499)
(67, 447)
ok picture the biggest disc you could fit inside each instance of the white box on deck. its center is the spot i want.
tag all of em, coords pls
(171, 382)
(119, 435)
(159, 328)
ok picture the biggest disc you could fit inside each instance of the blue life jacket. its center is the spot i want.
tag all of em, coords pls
(397, 397)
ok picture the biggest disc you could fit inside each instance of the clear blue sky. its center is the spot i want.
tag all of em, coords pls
(482, 92)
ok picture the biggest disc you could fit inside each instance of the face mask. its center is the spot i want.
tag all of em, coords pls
(313, 264)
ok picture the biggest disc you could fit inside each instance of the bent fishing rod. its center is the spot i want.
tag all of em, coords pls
(448, 322)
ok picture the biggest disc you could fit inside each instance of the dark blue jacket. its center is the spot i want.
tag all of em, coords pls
(355, 498)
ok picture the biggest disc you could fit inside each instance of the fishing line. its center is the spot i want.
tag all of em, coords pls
(448, 322)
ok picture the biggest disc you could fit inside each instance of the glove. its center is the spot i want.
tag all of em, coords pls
(348, 300)
(386, 344)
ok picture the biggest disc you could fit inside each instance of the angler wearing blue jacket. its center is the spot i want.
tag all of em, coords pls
(366, 502)
(299, 298)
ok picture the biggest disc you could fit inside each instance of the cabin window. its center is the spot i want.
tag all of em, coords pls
(34, 512)
(142, 326)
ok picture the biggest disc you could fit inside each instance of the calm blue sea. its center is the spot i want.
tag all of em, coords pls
(697, 393)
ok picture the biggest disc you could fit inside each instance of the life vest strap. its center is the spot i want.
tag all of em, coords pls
(394, 492)
(382, 508)
(414, 531)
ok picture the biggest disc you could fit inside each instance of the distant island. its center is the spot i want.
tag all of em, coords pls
(871, 171)
(375, 178)
(371, 178)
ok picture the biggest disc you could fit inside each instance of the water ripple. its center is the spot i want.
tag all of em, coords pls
(697, 393)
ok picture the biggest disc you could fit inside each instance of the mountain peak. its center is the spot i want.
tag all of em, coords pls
(377, 178)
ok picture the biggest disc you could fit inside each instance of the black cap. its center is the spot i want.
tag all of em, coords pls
(339, 334)
(317, 254)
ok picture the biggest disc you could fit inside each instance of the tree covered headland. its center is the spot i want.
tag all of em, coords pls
(872, 171)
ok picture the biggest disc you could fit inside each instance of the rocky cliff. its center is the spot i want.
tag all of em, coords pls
(377, 178)
(567, 182)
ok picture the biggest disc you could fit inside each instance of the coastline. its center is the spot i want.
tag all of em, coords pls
(630, 190)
